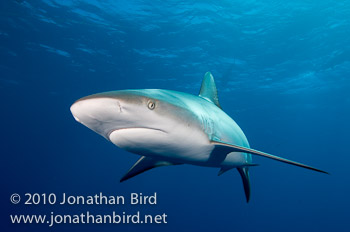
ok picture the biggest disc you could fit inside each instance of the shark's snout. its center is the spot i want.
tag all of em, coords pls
(95, 108)
(75, 109)
(82, 111)
(98, 114)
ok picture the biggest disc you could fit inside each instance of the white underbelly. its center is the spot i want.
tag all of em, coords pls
(194, 148)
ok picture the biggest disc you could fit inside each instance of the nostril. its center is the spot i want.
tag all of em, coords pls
(120, 107)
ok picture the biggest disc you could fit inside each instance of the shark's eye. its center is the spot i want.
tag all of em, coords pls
(151, 105)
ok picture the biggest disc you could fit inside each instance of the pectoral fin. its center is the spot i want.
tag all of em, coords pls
(144, 164)
(235, 148)
(223, 170)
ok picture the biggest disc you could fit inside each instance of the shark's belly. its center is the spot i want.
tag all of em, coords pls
(189, 146)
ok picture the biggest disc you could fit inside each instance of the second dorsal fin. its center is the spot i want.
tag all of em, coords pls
(208, 89)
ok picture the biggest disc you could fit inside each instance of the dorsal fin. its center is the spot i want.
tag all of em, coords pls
(208, 89)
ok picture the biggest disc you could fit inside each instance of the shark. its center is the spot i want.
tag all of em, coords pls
(167, 127)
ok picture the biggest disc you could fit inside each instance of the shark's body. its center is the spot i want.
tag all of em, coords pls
(168, 128)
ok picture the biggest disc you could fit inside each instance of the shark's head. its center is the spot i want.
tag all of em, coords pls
(140, 121)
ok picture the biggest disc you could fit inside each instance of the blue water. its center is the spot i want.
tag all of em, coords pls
(282, 70)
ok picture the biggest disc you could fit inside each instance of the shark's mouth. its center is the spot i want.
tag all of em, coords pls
(134, 138)
(134, 129)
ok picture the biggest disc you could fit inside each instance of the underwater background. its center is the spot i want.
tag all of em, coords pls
(282, 69)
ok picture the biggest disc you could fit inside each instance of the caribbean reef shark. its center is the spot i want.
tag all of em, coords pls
(169, 128)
